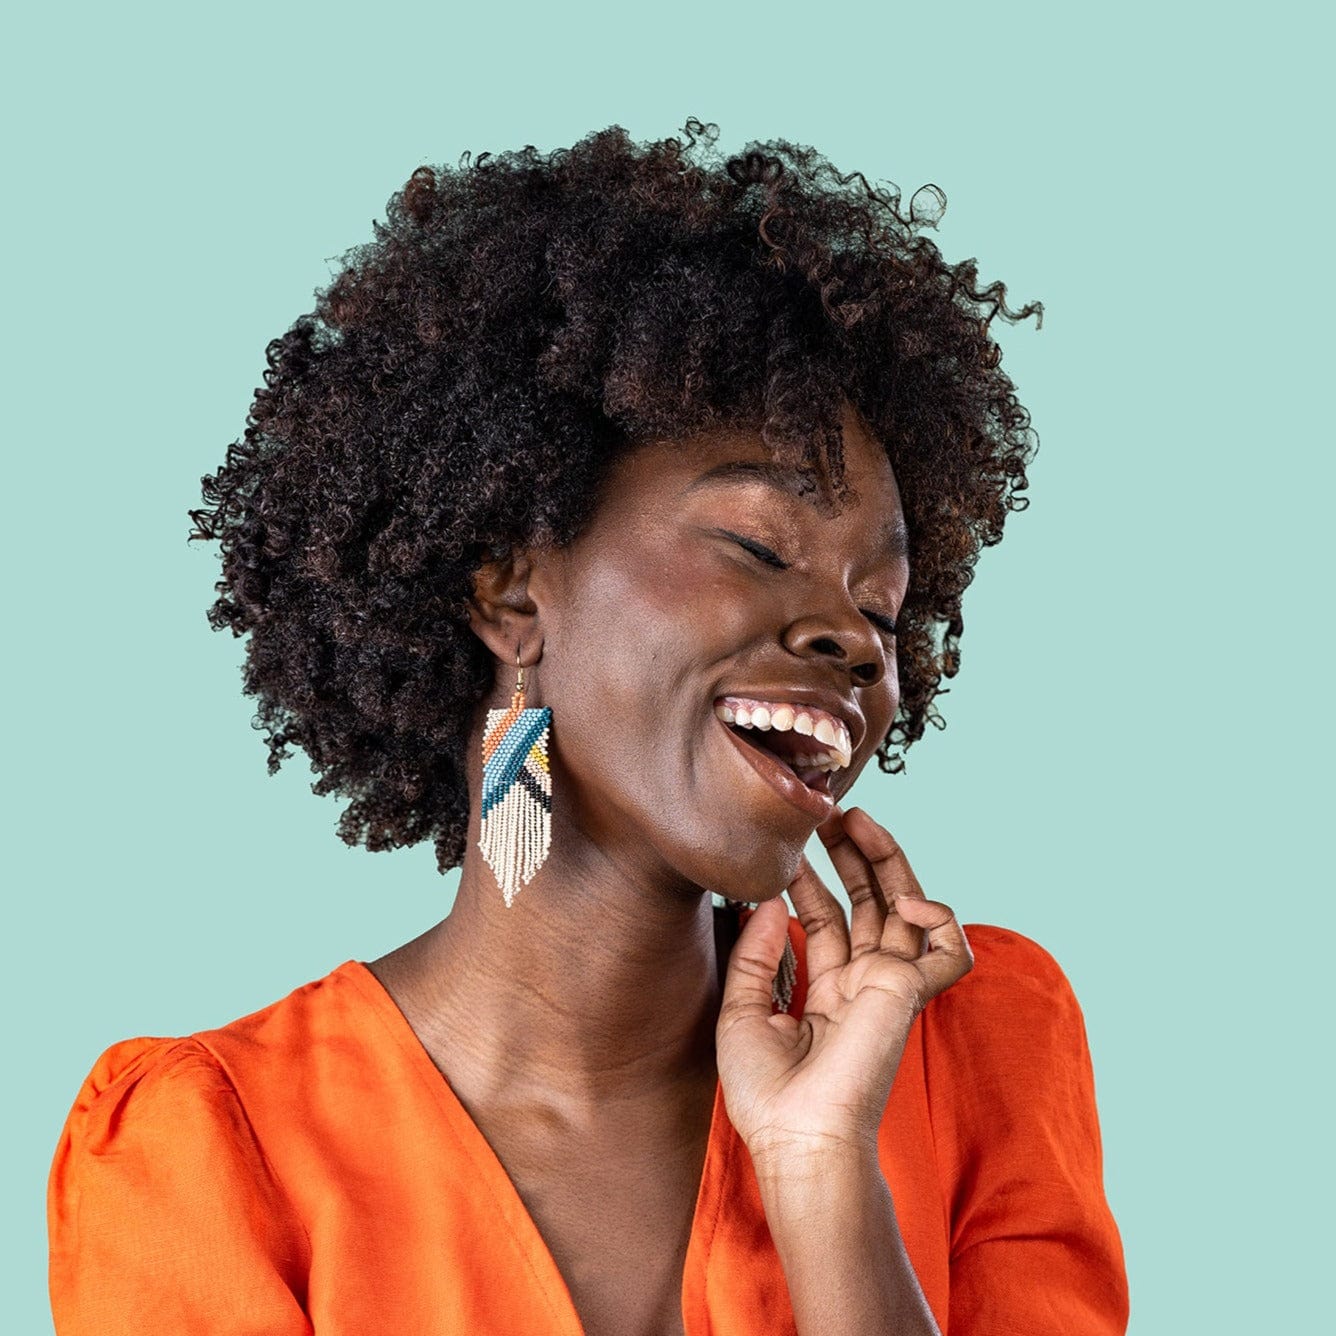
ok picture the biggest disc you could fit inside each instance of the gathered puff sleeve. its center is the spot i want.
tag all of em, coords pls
(1034, 1248)
(162, 1212)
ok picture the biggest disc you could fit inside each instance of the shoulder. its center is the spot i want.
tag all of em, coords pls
(161, 1077)
(1012, 973)
(172, 1121)
(1023, 956)
(1011, 1026)
(141, 1087)
(1016, 1136)
(158, 1187)
(288, 1035)
(151, 1110)
(1005, 1046)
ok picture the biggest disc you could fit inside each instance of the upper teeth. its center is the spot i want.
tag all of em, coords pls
(805, 719)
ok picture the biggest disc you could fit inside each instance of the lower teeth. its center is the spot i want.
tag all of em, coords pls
(809, 774)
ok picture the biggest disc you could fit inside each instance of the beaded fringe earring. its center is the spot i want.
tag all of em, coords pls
(784, 982)
(516, 791)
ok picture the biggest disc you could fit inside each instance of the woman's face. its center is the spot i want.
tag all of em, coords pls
(658, 612)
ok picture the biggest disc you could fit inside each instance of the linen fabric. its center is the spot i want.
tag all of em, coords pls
(307, 1169)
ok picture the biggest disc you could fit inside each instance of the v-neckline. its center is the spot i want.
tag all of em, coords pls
(510, 1207)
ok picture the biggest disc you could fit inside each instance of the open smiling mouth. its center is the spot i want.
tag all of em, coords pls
(799, 766)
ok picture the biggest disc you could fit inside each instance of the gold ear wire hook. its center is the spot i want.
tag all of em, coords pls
(519, 668)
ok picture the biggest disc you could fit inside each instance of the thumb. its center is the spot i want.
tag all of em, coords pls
(754, 962)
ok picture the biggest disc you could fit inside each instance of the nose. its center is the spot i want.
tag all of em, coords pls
(851, 641)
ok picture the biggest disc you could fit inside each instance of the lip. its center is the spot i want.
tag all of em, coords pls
(830, 701)
(816, 805)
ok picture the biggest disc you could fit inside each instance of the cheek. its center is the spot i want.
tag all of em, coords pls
(632, 661)
(626, 651)
(630, 667)
(683, 606)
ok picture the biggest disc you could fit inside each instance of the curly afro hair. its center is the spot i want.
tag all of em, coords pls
(466, 378)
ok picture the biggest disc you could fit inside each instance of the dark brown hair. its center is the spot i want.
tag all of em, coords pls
(467, 376)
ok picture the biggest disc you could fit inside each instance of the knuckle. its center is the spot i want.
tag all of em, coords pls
(908, 987)
(888, 857)
(823, 919)
(752, 967)
(860, 891)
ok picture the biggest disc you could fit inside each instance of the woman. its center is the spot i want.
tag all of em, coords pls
(610, 513)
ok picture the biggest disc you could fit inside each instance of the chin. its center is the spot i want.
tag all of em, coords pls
(762, 876)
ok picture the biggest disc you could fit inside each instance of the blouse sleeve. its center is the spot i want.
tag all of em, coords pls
(162, 1212)
(1035, 1250)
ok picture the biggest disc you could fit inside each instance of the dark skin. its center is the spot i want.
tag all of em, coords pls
(584, 1028)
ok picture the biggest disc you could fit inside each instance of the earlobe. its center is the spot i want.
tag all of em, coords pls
(502, 613)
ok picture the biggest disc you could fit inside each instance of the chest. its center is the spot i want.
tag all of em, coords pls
(616, 1216)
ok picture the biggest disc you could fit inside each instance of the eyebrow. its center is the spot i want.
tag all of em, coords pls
(790, 479)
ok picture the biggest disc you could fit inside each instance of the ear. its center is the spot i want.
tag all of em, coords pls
(501, 612)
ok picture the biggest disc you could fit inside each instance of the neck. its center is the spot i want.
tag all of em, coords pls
(600, 981)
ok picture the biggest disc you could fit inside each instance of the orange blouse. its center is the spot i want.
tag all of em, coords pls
(308, 1169)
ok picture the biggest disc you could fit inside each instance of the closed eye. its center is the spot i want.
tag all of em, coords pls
(763, 553)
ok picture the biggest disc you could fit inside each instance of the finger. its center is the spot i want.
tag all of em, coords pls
(754, 962)
(867, 902)
(891, 870)
(948, 957)
(822, 918)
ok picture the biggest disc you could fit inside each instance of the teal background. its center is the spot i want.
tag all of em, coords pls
(1134, 765)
